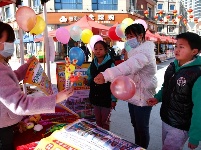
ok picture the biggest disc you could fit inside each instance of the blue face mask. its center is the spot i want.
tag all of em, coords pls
(8, 49)
(131, 43)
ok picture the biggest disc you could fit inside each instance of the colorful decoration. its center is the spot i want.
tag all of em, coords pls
(120, 30)
(141, 21)
(26, 18)
(179, 17)
(190, 11)
(127, 21)
(75, 33)
(39, 27)
(86, 36)
(196, 20)
(160, 13)
(123, 88)
(112, 34)
(94, 39)
(175, 12)
(168, 17)
(156, 17)
(62, 35)
(146, 13)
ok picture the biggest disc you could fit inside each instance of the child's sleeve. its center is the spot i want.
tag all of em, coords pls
(158, 95)
(195, 128)
(89, 75)
(114, 99)
(130, 66)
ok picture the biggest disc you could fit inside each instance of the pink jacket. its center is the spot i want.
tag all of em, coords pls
(14, 103)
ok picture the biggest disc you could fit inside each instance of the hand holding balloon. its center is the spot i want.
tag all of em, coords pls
(123, 88)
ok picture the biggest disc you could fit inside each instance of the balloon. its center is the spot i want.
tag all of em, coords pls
(123, 88)
(78, 54)
(39, 27)
(127, 21)
(26, 18)
(62, 35)
(112, 34)
(86, 35)
(140, 21)
(120, 30)
(94, 39)
(75, 33)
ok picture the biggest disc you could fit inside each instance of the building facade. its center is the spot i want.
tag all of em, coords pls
(169, 16)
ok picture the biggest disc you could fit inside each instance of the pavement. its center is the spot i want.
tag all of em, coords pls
(120, 118)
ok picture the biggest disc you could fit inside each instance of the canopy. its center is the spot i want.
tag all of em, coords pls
(150, 36)
(85, 23)
(6, 2)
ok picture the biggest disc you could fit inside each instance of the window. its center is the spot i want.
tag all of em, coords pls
(68, 4)
(104, 4)
(160, 6)
(159, 28)
(36, 3)
(172, 7)
(171, 29)
(150, 12)
(8, 13)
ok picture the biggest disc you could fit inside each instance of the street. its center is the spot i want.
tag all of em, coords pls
(120, 119)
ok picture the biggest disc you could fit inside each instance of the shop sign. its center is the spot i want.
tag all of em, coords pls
(63, 19)
(102, 18)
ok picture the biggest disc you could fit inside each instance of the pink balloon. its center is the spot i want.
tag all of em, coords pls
(62, 35)
(94, 39)
(123, 88)
(26, 18)
(141, 22)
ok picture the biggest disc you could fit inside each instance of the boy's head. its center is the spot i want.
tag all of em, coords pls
(187, 47)
(100, 49)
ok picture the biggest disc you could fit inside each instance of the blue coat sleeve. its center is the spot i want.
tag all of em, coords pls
(89, 78)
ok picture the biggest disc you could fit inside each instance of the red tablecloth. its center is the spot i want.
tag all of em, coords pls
(30, 138)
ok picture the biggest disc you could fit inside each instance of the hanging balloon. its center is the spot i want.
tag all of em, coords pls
(140, 21)
(75, 33)
(78, 54)
(39, 27)
(62, 35)
(86, 36)
(127, 21)
(94, 39)
(112, 34)
(123, 88)
(120, 30)
(26, 18)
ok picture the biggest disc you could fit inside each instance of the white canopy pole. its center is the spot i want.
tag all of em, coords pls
(46, 42)
(22, 53)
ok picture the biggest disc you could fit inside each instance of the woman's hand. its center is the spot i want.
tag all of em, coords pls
(63, 95)
(124, 52)
(99, 79)
(191, 146)
(30, 59)
(152, 101)
(113, 105)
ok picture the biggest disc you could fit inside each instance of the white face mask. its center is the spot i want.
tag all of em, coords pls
(131, 43)
(8, 49)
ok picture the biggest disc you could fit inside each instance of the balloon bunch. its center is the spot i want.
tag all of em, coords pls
(117, 33)
(29, 22)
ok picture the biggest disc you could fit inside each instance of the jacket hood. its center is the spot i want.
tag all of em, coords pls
(107, 57)
(195, 62)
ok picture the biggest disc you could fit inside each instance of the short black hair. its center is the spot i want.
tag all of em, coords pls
(193, 39)
(104, 45)
(4, 27)
(136, 29)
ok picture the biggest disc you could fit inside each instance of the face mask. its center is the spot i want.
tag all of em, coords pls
(131, 43)
(8, 49)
